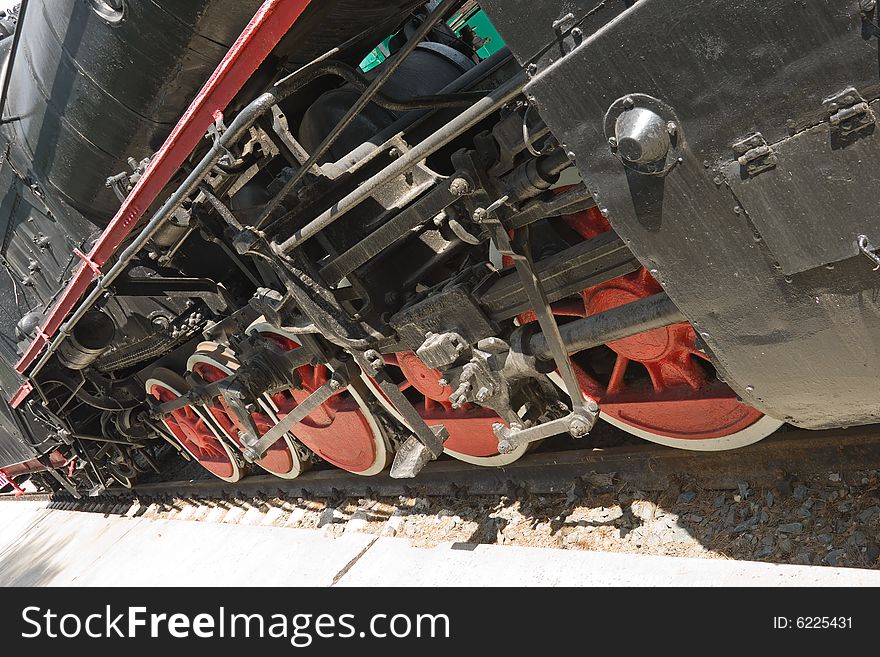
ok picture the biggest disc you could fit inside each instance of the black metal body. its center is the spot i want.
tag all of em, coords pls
(764, 264)
(86, 95)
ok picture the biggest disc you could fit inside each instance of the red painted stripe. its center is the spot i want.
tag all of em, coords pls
(259, 38)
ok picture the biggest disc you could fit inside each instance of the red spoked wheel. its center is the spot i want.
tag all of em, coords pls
(342, 431)
(193, 429)
(212, 362)
(471, 438)
(658, 385)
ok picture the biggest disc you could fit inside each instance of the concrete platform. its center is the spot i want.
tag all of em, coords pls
(42, 547)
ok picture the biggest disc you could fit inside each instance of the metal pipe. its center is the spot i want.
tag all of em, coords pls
(7, 72)
(624, 321)
(479, 72)
(463, 122)
(388, 70)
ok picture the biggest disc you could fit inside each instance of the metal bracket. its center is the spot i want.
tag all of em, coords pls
(754, 154)
(91, 264)
(849, 112)
(255, 448)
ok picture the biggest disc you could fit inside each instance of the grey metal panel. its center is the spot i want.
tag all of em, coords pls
(810, 208)
(801, 348)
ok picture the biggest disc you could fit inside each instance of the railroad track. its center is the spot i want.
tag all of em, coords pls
(645, 466)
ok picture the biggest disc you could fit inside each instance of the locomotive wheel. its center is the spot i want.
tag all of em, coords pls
(211, 362)
(342, 431)
(471, 438)
(121, 468)
(658, 385)
(193, 429)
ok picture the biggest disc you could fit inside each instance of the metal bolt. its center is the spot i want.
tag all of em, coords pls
(460, 187)
(482, 394)
(578, 428)
(592, 406)
(479, 215)
(394, 152)
(671, 128)
(577, 33)
(612, 141)
(504, 446)
(532, 68)
(628, 103)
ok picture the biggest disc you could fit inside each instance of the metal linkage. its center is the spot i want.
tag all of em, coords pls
(494, 101)
(577, 424)
(525, 268)
(426, 443)
(387, 71)
(255, 448)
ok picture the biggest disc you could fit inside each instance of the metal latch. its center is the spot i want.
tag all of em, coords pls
(868, 250)
(848, 112)
(754, 154)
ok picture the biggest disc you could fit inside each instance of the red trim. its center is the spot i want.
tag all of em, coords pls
(91, 264)
(4, 479)
(259, 38)
(21, 394)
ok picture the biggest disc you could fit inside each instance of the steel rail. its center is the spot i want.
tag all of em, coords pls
(647, 466)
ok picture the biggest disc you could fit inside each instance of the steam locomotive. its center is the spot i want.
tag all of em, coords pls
(265, 235)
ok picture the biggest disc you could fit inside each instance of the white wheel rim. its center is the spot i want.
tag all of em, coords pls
(748, 436)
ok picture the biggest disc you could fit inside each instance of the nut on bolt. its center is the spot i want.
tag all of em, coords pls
(578, 427)
(482, 394)
(460, 186)
(375, 360)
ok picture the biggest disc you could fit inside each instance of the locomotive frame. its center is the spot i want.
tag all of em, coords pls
(464, 249)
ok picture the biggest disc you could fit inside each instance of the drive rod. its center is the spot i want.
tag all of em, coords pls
(624, 321)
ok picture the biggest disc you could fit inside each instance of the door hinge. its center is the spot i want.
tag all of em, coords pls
(754, 154)
(848, 112)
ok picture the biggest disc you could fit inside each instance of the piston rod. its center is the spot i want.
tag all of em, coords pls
(624, 321)
(492, 102)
